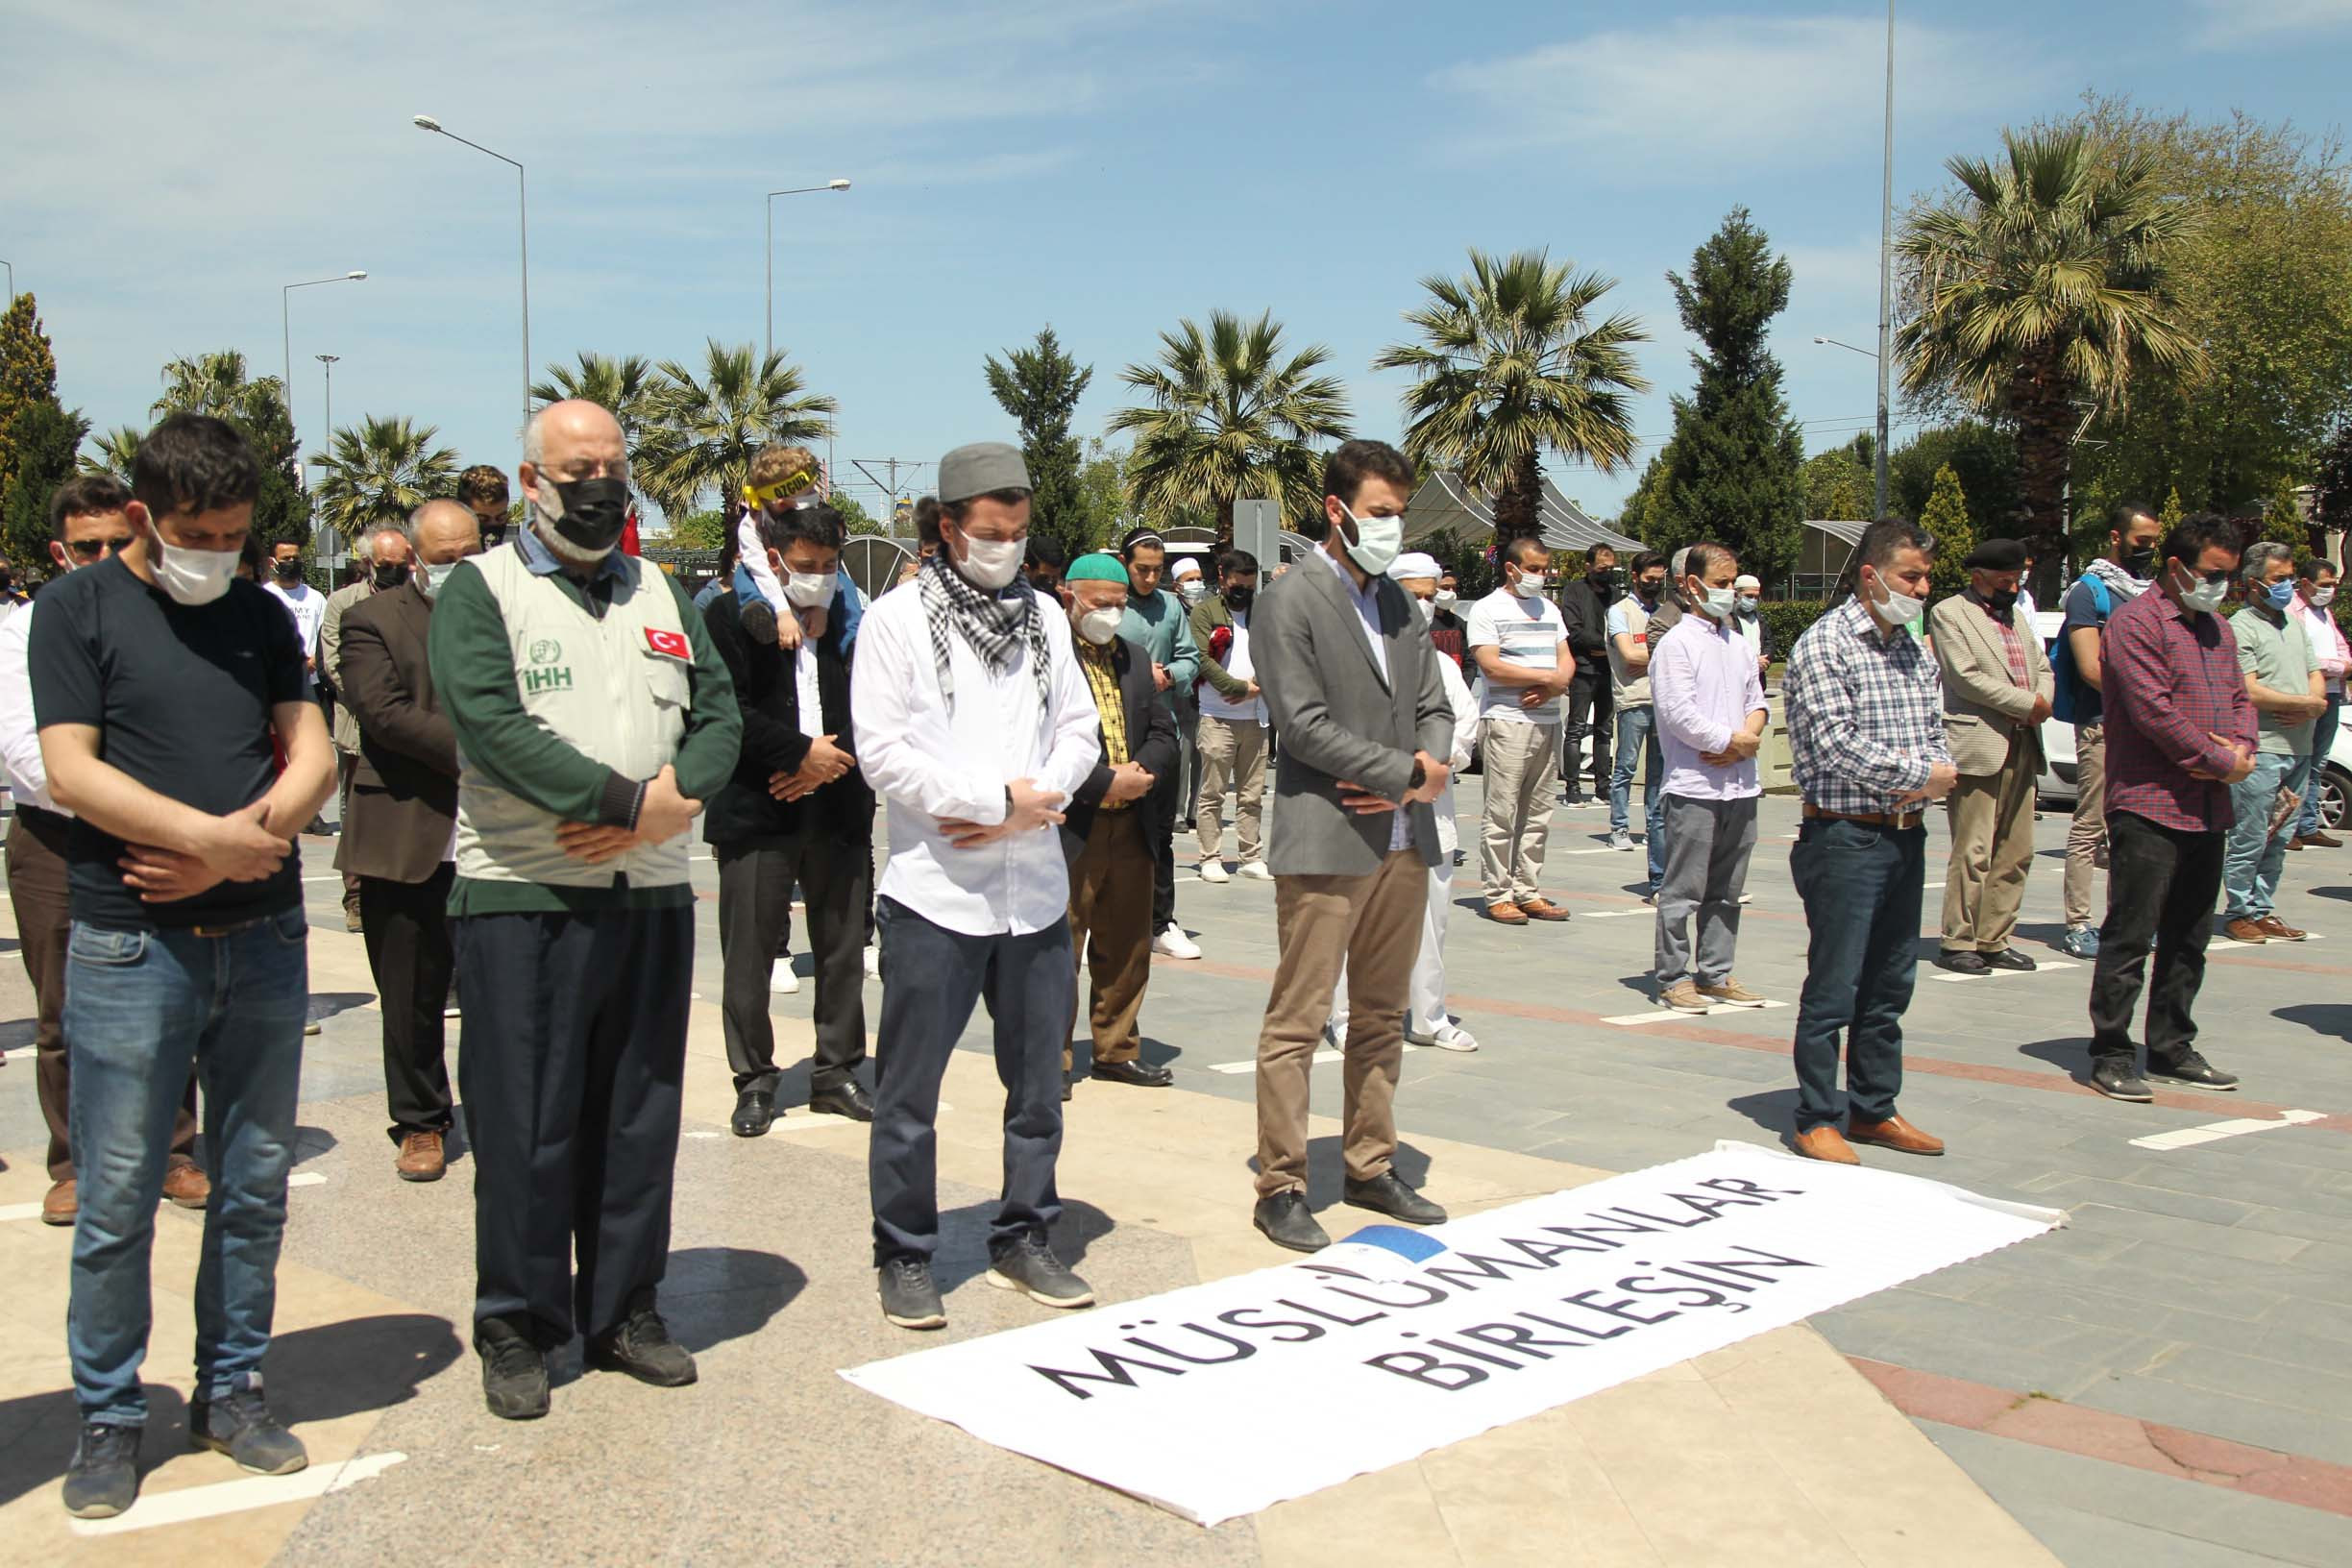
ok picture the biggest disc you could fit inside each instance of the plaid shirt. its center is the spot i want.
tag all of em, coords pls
(1102, 679)
(2170, 682)
(2013, 645)
(1865, 713)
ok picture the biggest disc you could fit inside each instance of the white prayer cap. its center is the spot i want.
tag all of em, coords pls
(1415, 564)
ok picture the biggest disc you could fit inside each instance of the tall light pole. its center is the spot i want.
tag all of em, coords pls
(11, 276)
(285, 317)
(328, 362)
(769, 207)
(1886, 263)
(426, 122)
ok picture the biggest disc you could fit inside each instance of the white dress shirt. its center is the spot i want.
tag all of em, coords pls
(810, 706)
(1366, 600)
(929, 763)
(28, 778)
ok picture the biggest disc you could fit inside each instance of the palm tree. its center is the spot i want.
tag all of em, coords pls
(2035, 290)
(624, 387)
(1510, 362)
(112, 454)
(704, 429)
(216, 384)
(377, 474)
(1228, 417)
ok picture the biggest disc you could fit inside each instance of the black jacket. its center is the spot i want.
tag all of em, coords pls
(1586, 609)
(743, 815)
(1151, 741)
(403, 790)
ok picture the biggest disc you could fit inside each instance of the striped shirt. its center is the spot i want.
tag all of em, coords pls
(1865, 713)
(1102, 680)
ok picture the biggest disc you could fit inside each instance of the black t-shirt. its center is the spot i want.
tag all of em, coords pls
(181, 697)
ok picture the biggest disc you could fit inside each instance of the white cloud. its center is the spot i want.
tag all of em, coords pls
(2248, 23)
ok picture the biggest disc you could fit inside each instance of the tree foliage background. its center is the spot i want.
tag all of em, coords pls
(1040, 386)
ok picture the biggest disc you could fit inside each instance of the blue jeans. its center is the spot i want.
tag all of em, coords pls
(1637, 739)
(1861, 886)
(2307, 783)
(2250, 866)
(140, 1007)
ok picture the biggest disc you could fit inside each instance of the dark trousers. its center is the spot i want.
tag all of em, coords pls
(347, 768)
(2161, 888)
(931, 978)
(1861, 886)
(405, 925)
(571, 1060)
(1160, 806)
(755, 889)
(36, 858)
(1108, 905)
(1590, 706)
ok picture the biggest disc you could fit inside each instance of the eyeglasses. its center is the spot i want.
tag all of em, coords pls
(91, 550)
(791, 485)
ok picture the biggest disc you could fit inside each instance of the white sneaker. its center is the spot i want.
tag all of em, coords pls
(1334, 1033)
(1214, 870)
(1621, 840)
(1172, 942)
(1452, 1036)
(781, 980)
(873, 960)
(450, 1010)
(1256, 870)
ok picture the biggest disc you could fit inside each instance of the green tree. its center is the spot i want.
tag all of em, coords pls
(1510, 363)
(698, 530)
(622, 387)
(1642, 517)
(1229, 414)
(2043, 283)
(216, 384)
(1945, 516)
(705, 427)
(2282, 518)
(2332, 484)
(1040, 386)
(376, 473)
(1733, 467)
(1837, 488)
(28, 375)
(1983, 456)
(111, 453)
(41, 439)
(2173, 512)
(1102, 494)
(855, 518)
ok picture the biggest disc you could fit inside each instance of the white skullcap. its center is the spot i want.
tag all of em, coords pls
(1186, 566)
(1746, 579)
(1415, 564)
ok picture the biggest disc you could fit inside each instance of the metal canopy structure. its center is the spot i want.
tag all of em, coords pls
(1821, 559)
(1445, 502)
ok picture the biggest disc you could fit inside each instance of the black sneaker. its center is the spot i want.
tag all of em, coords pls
(1288, 1222)
(514, 1371)
(1961, 960)
(2009, 958)
(1029, 1267)
(910, 1300)
(2118, 1081)
(240, 1424)
(759, 620)
(1388, 1194)
(2195, 1071)
(642, 1347)
(103, 1477)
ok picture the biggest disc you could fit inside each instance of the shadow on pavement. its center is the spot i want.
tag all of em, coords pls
(1775, 1110)
(711, 1296)
(2069, 1054)
(2319, 1018)
(326, 1004)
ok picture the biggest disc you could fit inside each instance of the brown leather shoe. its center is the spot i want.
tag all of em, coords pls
(2247, 931)
(61, 1204)
(1827, 1143)
(1507, 913)
(186, 1185)
(2278, 930)
(1542, 909)
(2298, 843)
(2324, 840)
(421, 1159)
(1895, 1133)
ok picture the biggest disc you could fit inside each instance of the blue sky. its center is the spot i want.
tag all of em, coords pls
(1105, 165)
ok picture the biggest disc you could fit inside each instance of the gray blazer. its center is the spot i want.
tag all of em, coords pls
(1986, 714)
(1337, 718)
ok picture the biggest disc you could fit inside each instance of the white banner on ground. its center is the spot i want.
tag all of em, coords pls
(1219, 1399)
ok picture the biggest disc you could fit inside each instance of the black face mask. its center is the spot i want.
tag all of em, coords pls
(287, 570)
(2141, 563)
(2000, 603)
(1650, 591)
(391, 574)
(1238, 599)
(594, 511)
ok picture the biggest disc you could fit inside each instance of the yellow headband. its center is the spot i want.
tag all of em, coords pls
(791, 485)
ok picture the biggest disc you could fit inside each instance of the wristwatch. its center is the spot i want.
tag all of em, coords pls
(1420, 775)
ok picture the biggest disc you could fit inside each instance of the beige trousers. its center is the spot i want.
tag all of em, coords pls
(1992, 848)
(1522, 773)
(2088, 832)
(1232, 756)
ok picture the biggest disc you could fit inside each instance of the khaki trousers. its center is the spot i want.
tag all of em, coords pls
(1110, 921)
(1991, 834)
(1522, 773)
(2088, 833)
(1232, 756)
(1373, 923)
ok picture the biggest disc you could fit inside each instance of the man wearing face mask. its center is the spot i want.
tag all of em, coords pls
(2314, 594)
(1746, 605)
(303, 602)
(1367, 733)
(1447, 630)
(1190, 587)
(795, 811)
(400, 827)
(1163, 628)
(2180, 735)
(160, 683)
(1629, 636)
(1109, 832)
(1521, 648)
(2108, 583)
(1996, 692)
(386, 565)
(1584, 606)
(1232, 727)
(976, 724)
(1866, 738)
(482, 491)
(2284, 682)
(592, 717)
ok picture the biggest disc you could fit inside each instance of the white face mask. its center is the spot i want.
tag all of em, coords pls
(1099, 626)
(429, 578)
(192, 576)
(1428, 609)
(992, 563)
(1747, 603)
(1718, 603)
(2323, 598)
(1378, 540)
(2206, 597)
(809, 590)
(1191, 591)
(1447, 599)
(1898, 609)
(1530, 584)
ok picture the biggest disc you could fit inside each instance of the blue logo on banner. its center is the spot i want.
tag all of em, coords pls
(1413, 1246)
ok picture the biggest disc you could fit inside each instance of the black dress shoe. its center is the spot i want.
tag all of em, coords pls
(1288, 1222)
(1388, 1194)
(754, 1113)
(1142, 1074)
(2009, 958)
(848, 1100)
(2118, 1081)
(2193, 1070)
(1961, 960)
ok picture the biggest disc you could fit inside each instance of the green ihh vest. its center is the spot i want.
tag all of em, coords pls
(616, 690)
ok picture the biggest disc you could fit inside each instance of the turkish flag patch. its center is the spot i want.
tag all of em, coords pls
(670, 645)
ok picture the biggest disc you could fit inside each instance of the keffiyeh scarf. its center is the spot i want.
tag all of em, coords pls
(997, 625)
(2121, 586)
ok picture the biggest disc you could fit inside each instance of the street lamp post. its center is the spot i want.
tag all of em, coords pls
(1886, 263)
(769, 207)
(426, 122)
(11, 277)
(326, 445)
(286, 329)
(1881, 464)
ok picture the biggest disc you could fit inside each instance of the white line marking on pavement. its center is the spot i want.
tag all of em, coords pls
(1618, 914)
(1930, 887)
(306, 1178)
(2212, 1132)
(335, 876)
(1251, 1065)
(1629, 1020)
(1603, 849)
(193, 1503)
(2043, 967)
